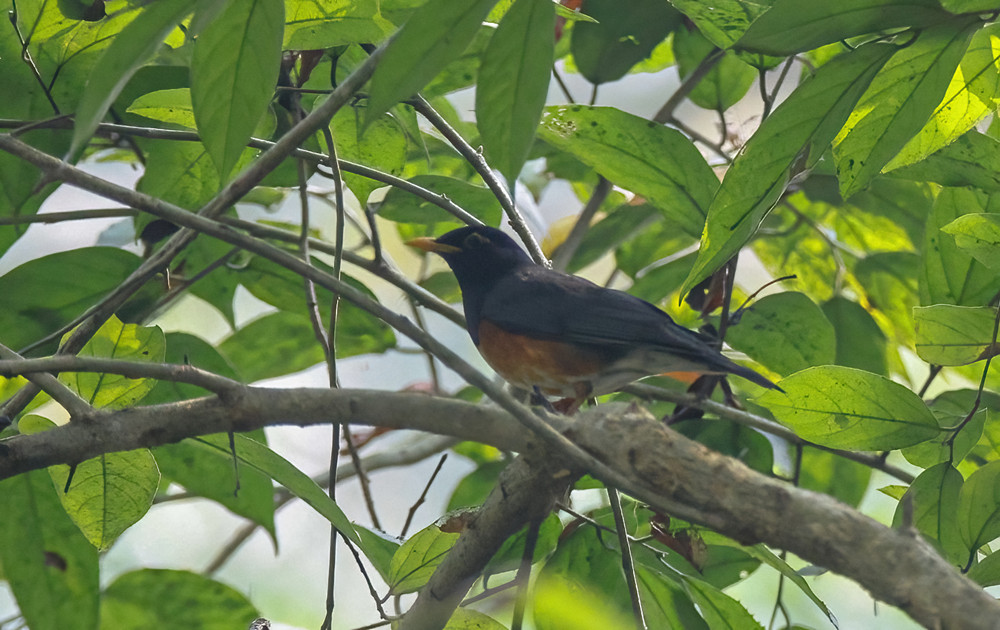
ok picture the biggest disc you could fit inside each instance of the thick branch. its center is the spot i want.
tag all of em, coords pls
(650, 462)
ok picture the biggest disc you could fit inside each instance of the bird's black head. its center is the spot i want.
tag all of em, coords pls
(479, 255)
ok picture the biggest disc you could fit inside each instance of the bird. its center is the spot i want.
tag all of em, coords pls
(562, 335)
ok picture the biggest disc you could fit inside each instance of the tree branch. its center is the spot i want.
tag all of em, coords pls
(650, 462)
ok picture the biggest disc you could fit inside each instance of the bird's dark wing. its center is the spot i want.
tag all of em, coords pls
(546, 304)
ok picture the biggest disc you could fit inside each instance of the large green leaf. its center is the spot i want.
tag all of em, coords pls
(935, 497)
(48, 565)
(233, 73)
(723, 21)
(899, 102)
(318, 24)
(513, 83)
(273, 345)
(972, 160)
(724, 85)
(108, 494)
(950, 275)
(860, 342)
(785, 333)
(72, 281)
(129, 50)
(126, 342)
(649, 159)
(979, 506)
(414, 562)
(154, 598)
(972, 95)
(959, 432)
(978, 234)
(259, 456)
(793, 137)
(435, 34)
(210, 472)
(624, 33)
(792, 26)
(954, 335)
(842, 407)
(404, 207)
(381, 145)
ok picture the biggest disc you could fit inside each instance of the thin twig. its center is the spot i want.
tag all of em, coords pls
(478, 162)
(628, 566)
(423, 496)
(523, 577)
(72, 215)
(689, 83)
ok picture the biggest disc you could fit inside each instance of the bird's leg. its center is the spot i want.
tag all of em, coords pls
(538, 398)
(581, 392)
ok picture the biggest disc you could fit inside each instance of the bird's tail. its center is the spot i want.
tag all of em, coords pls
(751, 375)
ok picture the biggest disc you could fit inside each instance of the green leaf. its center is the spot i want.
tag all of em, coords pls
(581, 586)
(899, 102)
(841, 407)
(273, 345)
(972, 160)
(950, 275)
(379, 548)
(108, 494)
(978, 234)
(732, 439)
(719, 610)
(624, 33)
(403, 207)
(508, 556)
(414, 562)
(48, 565)
(971, 96)
(791, 26)
(768, 557)
(832, 474)
(468, 619)
(168, 106)
(860, 342)
(73, 280)
(204, 466)
(891, 288)
(793, 137)
(314, 25)
(724, 85)
(128, 51)
(513, 83)
(126, 342)
(435, 34)
(979, 506)
(155, 598)
(610, 232)
(935, 497)
(181, 173)
(955, 335)
(473, 488)
(651, 160)
(987, 571)
(186, 349)
(381, 145)
(259, 456)
(723, 22)
(951, 410)
(233, 73)
(785, 333)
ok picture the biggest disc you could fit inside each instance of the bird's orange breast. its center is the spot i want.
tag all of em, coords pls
(556, 368)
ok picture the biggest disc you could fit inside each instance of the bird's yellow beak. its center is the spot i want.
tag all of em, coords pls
(428, 244)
